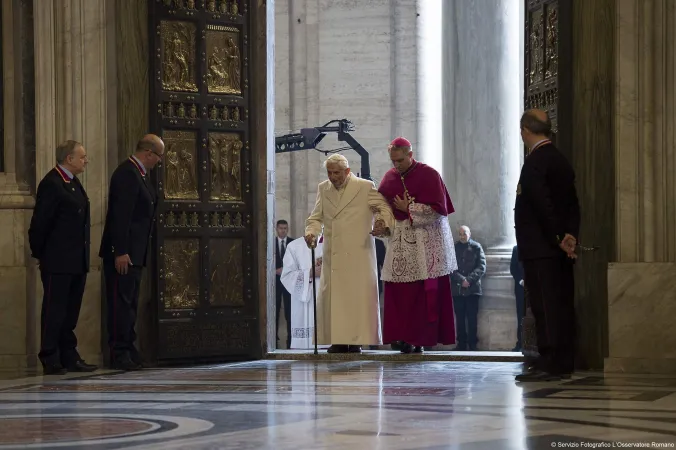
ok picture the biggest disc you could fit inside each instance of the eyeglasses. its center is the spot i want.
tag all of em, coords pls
(161, 156)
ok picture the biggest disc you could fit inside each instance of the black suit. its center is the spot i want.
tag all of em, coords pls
(380, 261)
(59, 239)
(516, 269)
(281, 294)
(546, 209)
(132, 204)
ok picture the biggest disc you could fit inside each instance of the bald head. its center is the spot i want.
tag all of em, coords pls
(150, 150)
(535, 126)
(464, 234)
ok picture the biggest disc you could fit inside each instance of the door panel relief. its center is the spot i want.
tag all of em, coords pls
(204, 241)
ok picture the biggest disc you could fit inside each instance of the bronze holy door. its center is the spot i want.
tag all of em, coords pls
(547, 79)
(205, 255)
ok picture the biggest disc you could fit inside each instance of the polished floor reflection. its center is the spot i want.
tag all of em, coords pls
(336, 405)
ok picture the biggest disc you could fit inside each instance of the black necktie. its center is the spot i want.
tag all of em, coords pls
(283, 248)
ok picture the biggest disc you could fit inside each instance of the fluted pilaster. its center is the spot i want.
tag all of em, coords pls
(71, 98)
(646, 122)
(641, 284)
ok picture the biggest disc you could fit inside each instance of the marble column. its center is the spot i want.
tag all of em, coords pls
(301, 71)
(641, 287)
(71, 98)
(298, 102)
(482, 103)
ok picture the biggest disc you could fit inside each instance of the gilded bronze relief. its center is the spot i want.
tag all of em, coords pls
(181, 273)
(536, 43)
(224, 113)
(181, 219)
(227, 220)
(190, 5)
(180, 175)
(227, 280)
(225, 157)
(551, 54)
(224, 62)
(180, 110)
(543, 100)
(178, 56)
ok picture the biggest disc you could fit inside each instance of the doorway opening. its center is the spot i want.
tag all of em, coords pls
(457, 96)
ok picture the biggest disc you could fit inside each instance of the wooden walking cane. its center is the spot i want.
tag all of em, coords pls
(314, 290)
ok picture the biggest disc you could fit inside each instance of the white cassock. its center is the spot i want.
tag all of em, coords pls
(349, 313)
(296, 277)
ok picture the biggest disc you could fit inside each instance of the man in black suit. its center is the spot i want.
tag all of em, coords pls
(281, 293)
(516, 269)
(547, 222)
(132, 203)
(59, 240)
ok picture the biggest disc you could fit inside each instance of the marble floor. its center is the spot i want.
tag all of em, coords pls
(347, 405)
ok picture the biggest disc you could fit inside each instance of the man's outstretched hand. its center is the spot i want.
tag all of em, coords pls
(310, 240)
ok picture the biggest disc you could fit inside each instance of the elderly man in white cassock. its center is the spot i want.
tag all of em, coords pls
(297, 279)
(351, 212)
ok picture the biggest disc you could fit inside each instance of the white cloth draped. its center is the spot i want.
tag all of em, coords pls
(296, 277)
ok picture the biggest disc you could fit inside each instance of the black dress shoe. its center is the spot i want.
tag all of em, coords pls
(54, 369)
(338, 349)
(537, 375)
(354, 348)
(81, 366)
(417, 349)
(406, 348)
(125, 364)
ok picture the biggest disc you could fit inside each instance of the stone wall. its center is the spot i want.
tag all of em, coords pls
(336, 59)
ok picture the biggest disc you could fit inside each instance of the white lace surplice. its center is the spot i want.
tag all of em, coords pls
(420, 250)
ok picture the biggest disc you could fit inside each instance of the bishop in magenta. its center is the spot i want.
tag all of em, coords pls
(420, 255)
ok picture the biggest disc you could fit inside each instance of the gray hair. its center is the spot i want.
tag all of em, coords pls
(66, 149)
(337, 159)
(466, 228)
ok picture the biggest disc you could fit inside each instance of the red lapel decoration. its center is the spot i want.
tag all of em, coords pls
(138, 166)
(64, 175)
(540, 145)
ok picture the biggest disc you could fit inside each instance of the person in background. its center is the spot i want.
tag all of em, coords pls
(516, 269)
(297, 279)
(467, 288)
(282, 295)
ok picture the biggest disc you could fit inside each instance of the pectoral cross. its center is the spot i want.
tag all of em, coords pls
(406, 194)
